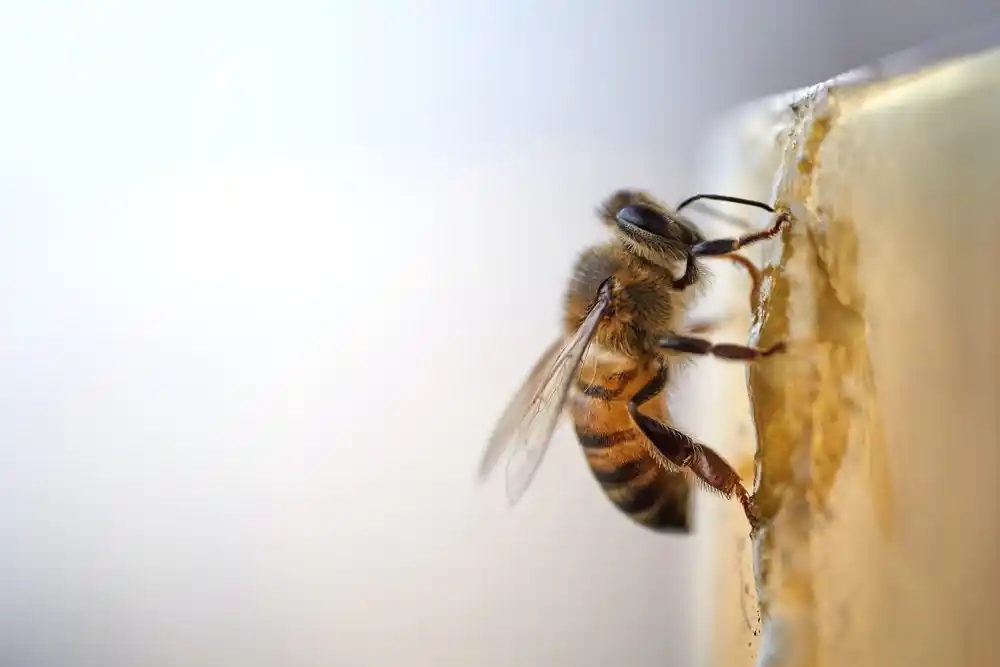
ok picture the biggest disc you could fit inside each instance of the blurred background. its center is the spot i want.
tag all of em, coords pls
(268, 274)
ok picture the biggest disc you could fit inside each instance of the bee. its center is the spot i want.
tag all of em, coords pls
(624, 340)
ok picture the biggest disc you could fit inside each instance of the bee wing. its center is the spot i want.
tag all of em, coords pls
(516, 409)
(534, 431)
(530, 420)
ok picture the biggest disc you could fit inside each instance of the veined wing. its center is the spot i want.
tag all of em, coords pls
(516, 409)
(527, 425)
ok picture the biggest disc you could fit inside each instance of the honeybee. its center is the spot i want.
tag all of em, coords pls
(624, 339)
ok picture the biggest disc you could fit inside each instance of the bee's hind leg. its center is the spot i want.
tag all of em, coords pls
(682, 451)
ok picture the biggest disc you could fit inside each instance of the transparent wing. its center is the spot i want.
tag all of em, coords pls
(530, 419)
(516, 409)
(533, 432)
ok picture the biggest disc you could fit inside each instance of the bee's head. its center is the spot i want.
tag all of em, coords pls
(655, 234)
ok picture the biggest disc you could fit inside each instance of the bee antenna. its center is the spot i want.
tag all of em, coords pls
(732, 200)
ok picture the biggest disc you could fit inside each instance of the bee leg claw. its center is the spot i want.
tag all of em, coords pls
(751, 510)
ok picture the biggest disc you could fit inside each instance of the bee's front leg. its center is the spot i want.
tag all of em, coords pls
(717, 247)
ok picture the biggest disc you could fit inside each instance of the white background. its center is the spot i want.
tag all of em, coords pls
(269, 272)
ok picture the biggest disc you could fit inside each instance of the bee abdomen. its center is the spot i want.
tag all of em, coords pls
(633, 481)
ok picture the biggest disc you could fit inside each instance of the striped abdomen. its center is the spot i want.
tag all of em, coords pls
(614, 446)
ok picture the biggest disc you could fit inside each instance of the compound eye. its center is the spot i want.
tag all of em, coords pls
(643, 217)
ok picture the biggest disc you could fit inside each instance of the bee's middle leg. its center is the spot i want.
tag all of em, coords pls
(682, 451)
(731, 351)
